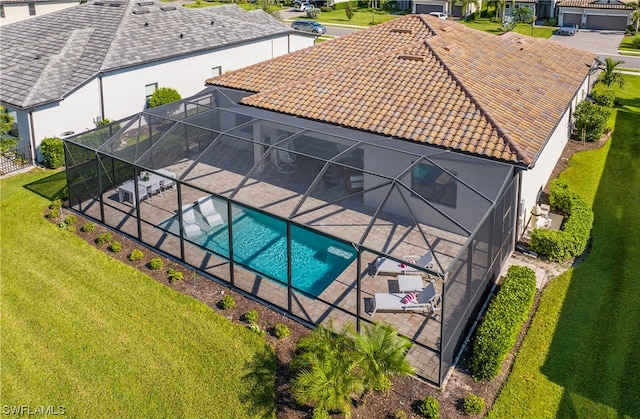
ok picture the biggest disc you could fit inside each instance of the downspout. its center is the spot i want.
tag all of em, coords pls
(101, 92)
(519, 229)
(32, 137)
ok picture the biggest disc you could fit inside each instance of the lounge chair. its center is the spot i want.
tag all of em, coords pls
(391, 267)
(209, 212)
(426, 300)
(191, 227)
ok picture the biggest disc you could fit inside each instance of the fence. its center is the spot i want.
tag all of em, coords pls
(15, 159)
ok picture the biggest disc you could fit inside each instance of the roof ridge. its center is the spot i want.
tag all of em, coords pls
(107, 56)
(512, 144)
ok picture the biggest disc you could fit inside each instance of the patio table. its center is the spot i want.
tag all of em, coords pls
(408, 283)
(126, 190)
(165, 183)
(151, 185)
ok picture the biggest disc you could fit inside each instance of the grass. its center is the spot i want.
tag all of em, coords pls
(84, 331)
(627, 45)
(486, 25)
(362, 17)
(580, 356)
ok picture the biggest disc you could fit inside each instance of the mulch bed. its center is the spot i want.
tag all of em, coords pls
(405, 391)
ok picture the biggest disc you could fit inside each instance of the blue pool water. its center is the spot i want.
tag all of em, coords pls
(260, 243)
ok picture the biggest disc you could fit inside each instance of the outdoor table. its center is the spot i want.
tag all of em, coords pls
(127, 190)
(408, 283)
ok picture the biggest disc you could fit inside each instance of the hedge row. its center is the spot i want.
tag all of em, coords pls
(559, 245)
(502, 322)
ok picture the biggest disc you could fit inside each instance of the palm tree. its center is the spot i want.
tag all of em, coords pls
(380, 353)
(635, 15)
(609, 74)
(328, 385)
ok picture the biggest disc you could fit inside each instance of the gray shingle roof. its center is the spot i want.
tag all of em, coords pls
(43, 59)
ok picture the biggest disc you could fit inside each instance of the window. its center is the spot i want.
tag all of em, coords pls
(216, 71)
(149, 89)
(434, 184)
(32, 9)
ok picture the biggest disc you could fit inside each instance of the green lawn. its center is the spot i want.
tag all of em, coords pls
(361, 17)
(486, 25)
(626, 45)
(581, 358)
(84, 331)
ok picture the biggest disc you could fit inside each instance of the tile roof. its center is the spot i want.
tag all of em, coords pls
(598, 4)
(44, 58)
(427, 80)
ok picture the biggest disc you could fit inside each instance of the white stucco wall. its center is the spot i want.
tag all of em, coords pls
(15, 12)
(124, 90)
(535, 179)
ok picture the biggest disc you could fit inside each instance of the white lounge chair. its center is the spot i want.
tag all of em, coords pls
(391, 267)
(426, 300)
(190, 224)
(209, 212)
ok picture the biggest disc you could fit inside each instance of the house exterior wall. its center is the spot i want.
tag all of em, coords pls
(535, 179)
(123, 91)
(442, 6)
(15, 12)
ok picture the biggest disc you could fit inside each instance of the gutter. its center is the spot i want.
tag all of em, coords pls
(32, 137)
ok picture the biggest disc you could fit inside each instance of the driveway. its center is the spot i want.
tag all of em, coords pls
(601, 42)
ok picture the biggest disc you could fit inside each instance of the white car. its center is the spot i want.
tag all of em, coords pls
(302, 7)
(439, 15)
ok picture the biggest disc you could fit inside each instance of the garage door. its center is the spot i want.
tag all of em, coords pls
(428, 8)
(568, 18)
(457, 11)
(618, 23)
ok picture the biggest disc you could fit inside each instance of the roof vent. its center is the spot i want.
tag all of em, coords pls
(140, 11)
(181, 36)
(167, 8)
(446, 28)
(145, 3)
(401, 30)
(114, 4)
(212, 22)
(449, 47)
(412, 57)
(146, 23)
(98, 3)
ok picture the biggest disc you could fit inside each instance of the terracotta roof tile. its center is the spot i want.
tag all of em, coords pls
(598, 4)
(496, 96)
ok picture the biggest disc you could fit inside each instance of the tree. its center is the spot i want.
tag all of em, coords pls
(380, 353)
(609, 74)
(591, 120)
(349, 11)
(635, 15)
(523, 14)
(7, 141)
(162, 96)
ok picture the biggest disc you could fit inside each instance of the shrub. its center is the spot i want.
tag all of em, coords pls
(104, 238)
(89, 227)
(175, 275)
(52, 150)
(635, 42)
(71, 220)
(591, 120)
(473, 405)
(56, 203)
(53, 213)
(155, 264)
(251, 317)
(281, 331)
(552, 21)
(344, 5)
(502, 322)
(573, 239)
(313, 13)
(227, 303)
(429, 408)
(162, 96)
(399, 414)
(62, 225)
(326, 9)
(348, 10)
(115, 247)
(603, 95)
(136, 255)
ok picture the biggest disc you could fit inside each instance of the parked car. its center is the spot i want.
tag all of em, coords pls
(569, 29)
(439, 15)
(302, 6)
(308, 26)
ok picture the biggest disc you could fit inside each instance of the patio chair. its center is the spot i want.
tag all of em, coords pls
(209, 212)
(188, 215)
(426, 300)
(391, 267)
(192, 230)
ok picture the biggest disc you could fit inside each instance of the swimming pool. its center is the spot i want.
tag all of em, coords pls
(260, 243)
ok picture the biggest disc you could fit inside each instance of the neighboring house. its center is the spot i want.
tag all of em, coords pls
(532, 4)
(65, 71)
(419, 140)
(450, 8)
(598, 14)
(12, 11)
